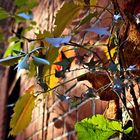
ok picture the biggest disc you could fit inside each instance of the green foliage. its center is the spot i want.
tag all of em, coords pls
(10, 61)
(3, 14)
(64, 17)
(98, 128)
(14, 46)
(22, 113)
(49, 64)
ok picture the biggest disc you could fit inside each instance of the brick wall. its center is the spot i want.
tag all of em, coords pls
(54, 119)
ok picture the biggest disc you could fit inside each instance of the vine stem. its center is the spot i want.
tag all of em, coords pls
(80, 46)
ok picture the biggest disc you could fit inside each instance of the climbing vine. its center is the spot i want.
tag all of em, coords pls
(50, 55)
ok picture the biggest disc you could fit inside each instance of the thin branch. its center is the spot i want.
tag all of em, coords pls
(28, 39)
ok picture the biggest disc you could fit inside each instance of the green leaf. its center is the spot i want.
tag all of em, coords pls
(22, 113)
(65, 16)
(98, 128)
(3, 14)
(15, 46)
(13, 38)
(18, 52)
(128, 130)
(19, 19)
(10, 61)
(40, 61)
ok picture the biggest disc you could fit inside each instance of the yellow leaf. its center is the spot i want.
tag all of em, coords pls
(49, 70)
(22, 113)
(64, 17)
(85, 2)
(52, 80)
(112, 52)
(93, 2)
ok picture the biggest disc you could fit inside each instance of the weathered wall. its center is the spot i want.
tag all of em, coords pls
(57, 120)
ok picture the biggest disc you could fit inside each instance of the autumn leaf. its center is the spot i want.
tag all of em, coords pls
(22, 113)
(64, 17)
(113, 51)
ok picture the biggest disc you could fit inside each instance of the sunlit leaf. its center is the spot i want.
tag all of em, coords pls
(93, 2)
(15, 46)
(50, 69)
(56, 42)
(18, 52)
(13, 38)
(22, 114)
(99, 30)
(10, 61)
(64, 17)
(66, 62)
(128, 130)
(40, 61)
(85, 2)
(19, 19)
(23, 63)
(3, 14)
(113, 52)
(98, 128)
